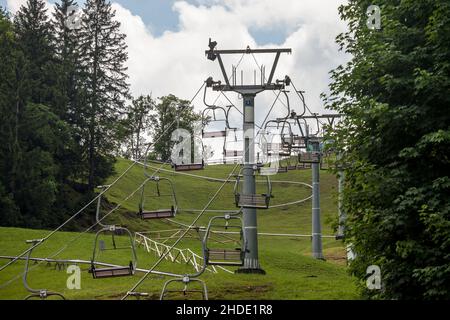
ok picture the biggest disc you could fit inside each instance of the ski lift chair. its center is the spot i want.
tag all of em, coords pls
(115, 271)
(282, 148)
(215, 134)
(298, 142)
(36, 293)
(186, 291)
(231, 152)
(224, 256)
(309, 157)
(259, 201)
(160, 213)
(189, 166)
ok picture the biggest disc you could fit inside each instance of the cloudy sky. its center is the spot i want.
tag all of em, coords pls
(167, 38)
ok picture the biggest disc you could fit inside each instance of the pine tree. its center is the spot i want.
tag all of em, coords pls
(70, 83)
(10, 90)
(35, 37)
(103, 55)
(40, 141)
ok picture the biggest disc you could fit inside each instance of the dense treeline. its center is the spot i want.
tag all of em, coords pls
(395, 143)
(63, 90)
(64, 111)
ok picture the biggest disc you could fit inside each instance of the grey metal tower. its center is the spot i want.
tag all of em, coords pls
(248, 92)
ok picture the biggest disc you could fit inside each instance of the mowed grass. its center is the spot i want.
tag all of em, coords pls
(291, 272)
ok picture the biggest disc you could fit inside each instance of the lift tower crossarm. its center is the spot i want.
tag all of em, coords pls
(249, 51)
(213, 54)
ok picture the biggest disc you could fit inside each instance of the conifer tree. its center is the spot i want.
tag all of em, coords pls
(103, 57)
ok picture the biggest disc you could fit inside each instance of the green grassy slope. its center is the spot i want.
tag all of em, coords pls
(291, 272)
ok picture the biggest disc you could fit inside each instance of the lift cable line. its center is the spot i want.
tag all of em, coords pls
(186, 278)
(222, 180)
(39, 293)
(241, 257)
(62, 249)
(68, 243)
(181, 237)
(95, 198)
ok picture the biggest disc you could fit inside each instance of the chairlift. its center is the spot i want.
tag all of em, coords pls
(272, 150)
(159, 213)
(309, 157)
(36, 293)
(282, 148)
(259, 201)
(116, 271)
(298, 142)
(187, 290)
(231, 152)
(224, 256)
(189, 166)
(214, 109)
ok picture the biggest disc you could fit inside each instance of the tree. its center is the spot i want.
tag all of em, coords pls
(35, 37)
(103, 55)
(70, 85)
(44, 139)
(396, 136)
(137, 124)
(169, 116)
(11, 63)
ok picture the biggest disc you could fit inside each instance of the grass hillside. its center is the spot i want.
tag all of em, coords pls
(291, 272)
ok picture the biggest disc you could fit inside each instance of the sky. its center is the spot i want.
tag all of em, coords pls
(167, 38)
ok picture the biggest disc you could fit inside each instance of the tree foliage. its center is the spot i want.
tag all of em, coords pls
(62, 92)
(137, 125)
(395, 139)
(103, 57)
(170, 114)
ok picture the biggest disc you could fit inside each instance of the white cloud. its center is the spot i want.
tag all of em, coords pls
(175, 61)
(14, 5)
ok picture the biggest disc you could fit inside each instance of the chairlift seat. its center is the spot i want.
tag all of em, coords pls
(303, 166)
(258, 201)
(282, 169)
(299, 142)
(284, 152)
(189, 167)
(267, 170)
(228, 257)
(309, 157)
(112, 272)
(158, 214)
(233, 153)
